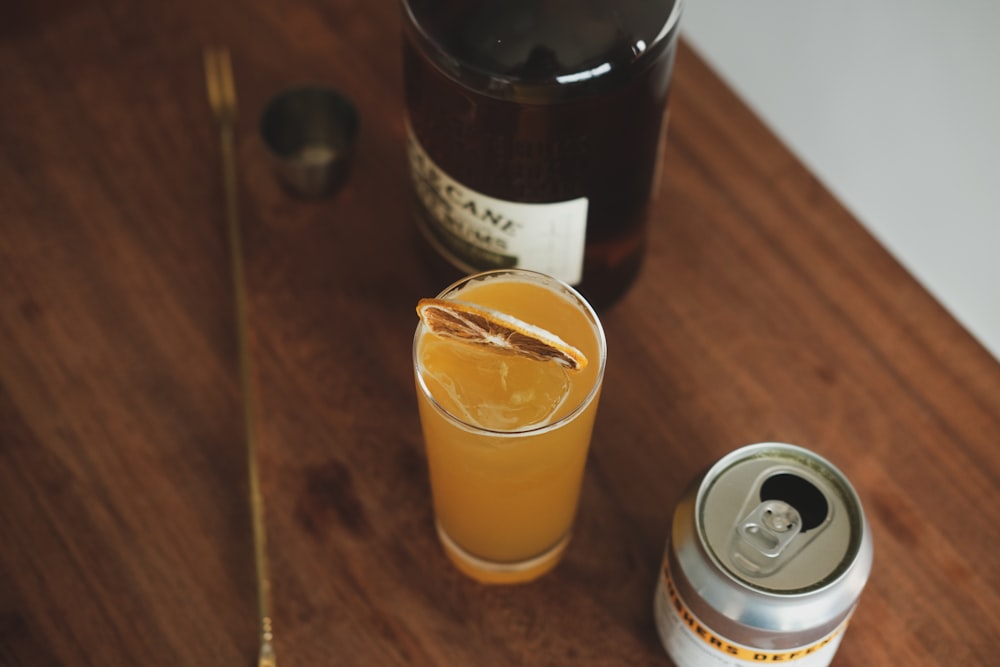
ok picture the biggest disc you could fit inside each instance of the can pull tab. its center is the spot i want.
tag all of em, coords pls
(761, 538)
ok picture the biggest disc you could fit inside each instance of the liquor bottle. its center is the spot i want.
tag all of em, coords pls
(535, 129)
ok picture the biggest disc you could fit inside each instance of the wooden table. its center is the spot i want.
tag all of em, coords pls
(765, 312)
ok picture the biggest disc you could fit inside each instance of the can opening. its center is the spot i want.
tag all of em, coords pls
(801, 494)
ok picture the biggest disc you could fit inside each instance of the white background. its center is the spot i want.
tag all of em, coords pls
(895, 106)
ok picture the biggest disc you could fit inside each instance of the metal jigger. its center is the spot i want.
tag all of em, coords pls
(311, 131)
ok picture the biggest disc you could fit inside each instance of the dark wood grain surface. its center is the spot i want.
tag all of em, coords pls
(764, 312)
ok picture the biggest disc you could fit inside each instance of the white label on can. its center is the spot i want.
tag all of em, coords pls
(690, 643)
(475, 231)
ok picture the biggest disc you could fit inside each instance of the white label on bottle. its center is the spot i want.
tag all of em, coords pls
(691, 643)
(475, 231)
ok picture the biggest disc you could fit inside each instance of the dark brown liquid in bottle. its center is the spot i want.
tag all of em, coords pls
(545, 101)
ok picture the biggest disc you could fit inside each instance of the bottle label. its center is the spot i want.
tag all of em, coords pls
(477, 232)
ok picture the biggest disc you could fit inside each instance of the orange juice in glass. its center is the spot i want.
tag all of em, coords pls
(507, 403)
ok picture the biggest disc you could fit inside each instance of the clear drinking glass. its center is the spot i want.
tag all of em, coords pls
(505, 494)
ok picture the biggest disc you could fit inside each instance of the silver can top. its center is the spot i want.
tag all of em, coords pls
(779, 518)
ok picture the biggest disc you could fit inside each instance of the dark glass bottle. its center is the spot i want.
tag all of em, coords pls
(535, 132)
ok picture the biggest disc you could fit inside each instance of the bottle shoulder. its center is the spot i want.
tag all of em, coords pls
(514, 44)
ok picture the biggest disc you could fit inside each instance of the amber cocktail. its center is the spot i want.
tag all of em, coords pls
(508, 369)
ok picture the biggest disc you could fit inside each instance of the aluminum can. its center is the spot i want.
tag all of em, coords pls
(768, 553)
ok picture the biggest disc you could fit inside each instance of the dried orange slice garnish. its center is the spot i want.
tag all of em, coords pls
(471, 323)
